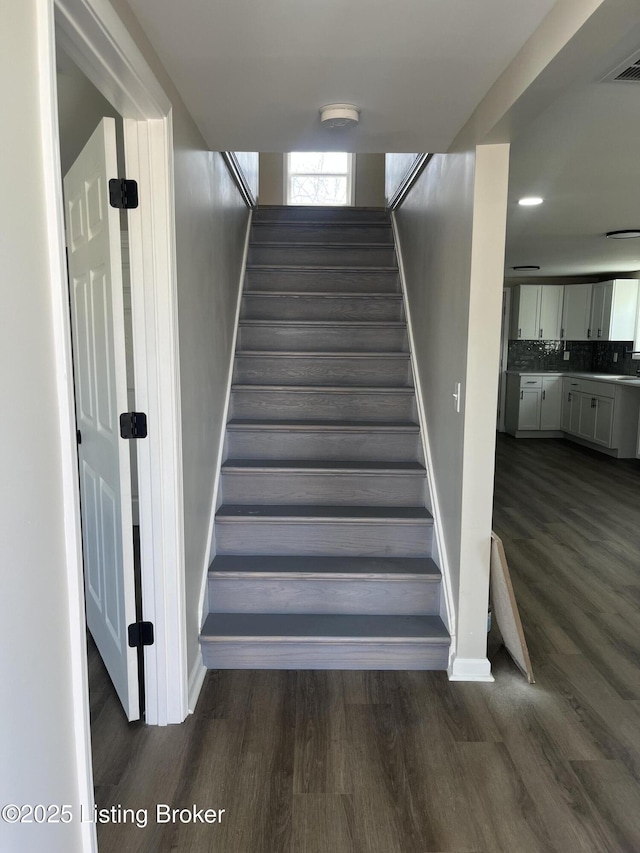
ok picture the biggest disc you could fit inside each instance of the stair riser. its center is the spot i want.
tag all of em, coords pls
(273, 655)
(319, 214)
(297, 370)
(274, 338)
(307, 595)
(305, 233)
(326, 539)
(336, 446)
(324, 406)
(322, 256)
(363, 308)
(324, 489)
(322, 281)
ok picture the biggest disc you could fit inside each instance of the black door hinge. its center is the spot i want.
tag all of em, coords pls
(133, 425)
(123, 194)
(140, 634)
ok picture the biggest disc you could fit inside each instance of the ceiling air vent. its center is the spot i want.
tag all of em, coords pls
(630, 73)
(627, 72)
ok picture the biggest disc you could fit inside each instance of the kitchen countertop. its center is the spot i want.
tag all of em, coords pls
(613, 378)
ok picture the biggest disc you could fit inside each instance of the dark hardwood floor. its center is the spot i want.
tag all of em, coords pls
(393, 762)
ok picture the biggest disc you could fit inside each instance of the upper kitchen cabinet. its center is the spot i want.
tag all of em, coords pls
(536, 312)
(614, 308)
(576, 312)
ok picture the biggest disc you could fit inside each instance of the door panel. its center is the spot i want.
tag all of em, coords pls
(529, 414)
(97, 319)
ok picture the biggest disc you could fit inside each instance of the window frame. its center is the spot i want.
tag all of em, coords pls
(351, 180)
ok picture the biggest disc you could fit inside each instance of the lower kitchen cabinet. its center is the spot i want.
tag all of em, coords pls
(533, 403)
(603, 415)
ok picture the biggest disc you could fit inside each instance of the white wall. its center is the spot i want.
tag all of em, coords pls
(37, 736)
(451, 232)
(369, 189)
(211, 221)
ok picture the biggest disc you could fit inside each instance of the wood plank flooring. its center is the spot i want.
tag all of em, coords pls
(406, 762)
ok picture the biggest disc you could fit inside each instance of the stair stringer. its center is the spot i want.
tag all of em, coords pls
(439, 553)
(199, 670)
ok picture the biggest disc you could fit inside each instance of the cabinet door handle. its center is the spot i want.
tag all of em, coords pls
(588, 333)
(593, 402)
(522, 395)
(599, 333)
(540, 333)
(519, 333)
(562, 333)
(569, 397)
(531, 381)
(544, 394)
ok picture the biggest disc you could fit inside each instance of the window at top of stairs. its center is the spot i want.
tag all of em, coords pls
(320, 178)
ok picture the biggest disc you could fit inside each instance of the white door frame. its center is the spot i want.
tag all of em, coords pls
(97, 40)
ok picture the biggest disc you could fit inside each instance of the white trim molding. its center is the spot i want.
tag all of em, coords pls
(50, 141)
(470, 669)
(100, 44)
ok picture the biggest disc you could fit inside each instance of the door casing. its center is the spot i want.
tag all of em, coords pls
(91, 32)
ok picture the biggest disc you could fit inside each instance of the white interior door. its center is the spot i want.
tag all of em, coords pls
(97, 316)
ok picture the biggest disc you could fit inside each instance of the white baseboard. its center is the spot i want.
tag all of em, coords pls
(196, 680)
(470, 669)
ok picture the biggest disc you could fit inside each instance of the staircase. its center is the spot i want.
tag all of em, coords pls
(323, 542)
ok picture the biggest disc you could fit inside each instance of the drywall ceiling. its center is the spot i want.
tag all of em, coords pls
(254, 73)
(582, 155)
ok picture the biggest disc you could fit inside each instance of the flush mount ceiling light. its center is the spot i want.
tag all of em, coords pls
(530, 201)
(627, 234)
(526, 267)
(340, 115)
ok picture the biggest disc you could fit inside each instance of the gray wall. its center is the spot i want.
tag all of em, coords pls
(369, 191)
(451, 229)
(435, 225)
(80, 108)
(211, 222)
(397, 166)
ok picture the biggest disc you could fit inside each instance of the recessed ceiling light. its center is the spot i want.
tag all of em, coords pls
(526, 267)
(627, 234)
(530, 201)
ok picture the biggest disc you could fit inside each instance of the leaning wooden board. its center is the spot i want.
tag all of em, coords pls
(505, 609)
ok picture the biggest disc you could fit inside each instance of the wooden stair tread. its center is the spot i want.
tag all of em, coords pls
(380, 568)
(340, 324)
(323, 627)
(321, 512)
(315, 268)
(308, 466)
(346, 426)
(323, 389)
(253, 353)
(321, 294)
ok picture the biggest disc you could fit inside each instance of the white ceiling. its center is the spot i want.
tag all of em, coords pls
(582, 155)
(254, 73)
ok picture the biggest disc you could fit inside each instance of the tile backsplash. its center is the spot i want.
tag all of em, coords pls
(591, 356)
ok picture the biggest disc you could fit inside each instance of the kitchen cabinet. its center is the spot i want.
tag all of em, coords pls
(576, 312)
(533, 403)
(614, 308)
(596, 419)
(536, 312)
(583, 407)
(570, 413)
(550, 402)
